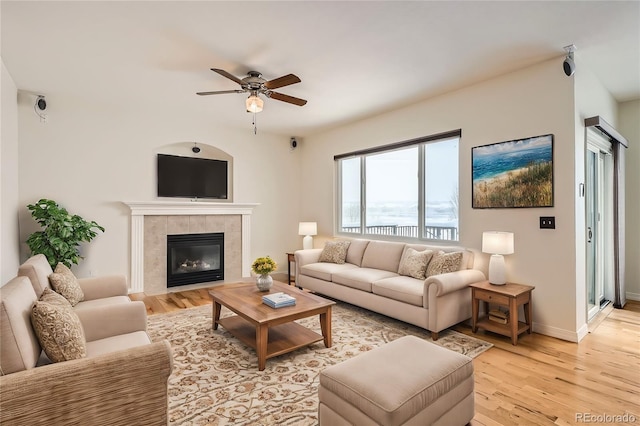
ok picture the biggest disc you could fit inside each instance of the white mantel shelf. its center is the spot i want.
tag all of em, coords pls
(169, 208)
(140, 209)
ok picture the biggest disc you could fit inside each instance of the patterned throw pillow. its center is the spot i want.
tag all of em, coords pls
(64, 282)
(443, 263)
(54, 298)
(414, 263)
(334, 251)
(59, 331)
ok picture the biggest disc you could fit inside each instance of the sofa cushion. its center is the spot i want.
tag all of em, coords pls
(443, 263)
(19, 346)
(467, 255)
(401, 288)
(414, 263)
(334, 252)
(324, 271)
(383, 255)
(361, 278)
(64, 282)
(356, 251)
(59, 331)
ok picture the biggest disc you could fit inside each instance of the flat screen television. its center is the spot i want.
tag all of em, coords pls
(191, 177)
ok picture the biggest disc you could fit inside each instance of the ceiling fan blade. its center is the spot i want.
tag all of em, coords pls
(220, 92)
(228, 75)
(285, 80)
(287, 98)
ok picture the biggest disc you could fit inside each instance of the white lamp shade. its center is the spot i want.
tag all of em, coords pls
(308, 228)
(497, 242)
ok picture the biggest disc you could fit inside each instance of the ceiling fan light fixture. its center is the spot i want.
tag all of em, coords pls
(254, 103)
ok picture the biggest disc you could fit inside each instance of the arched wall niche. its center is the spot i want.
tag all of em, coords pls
(185, 149)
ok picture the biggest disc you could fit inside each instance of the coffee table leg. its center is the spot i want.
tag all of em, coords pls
(262, 339)
(216, 314)
(325, 326)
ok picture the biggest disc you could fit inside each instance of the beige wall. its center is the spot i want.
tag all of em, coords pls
(9, 259)
(91, 157)
(629, 113)
(530, 102)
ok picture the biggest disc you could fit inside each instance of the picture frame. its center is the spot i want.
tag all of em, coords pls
(513, 174)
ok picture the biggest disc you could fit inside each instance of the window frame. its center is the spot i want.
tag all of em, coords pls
(421, 142)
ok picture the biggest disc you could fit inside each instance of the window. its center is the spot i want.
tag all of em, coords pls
(403, 190)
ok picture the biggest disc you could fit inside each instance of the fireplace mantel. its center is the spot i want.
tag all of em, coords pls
(140, 209)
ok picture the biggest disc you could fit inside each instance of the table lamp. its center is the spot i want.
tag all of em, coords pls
(497, 244)
(307, 229)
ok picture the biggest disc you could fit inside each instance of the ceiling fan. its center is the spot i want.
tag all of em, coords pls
(256, 85)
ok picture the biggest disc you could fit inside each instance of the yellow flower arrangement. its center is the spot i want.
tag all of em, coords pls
(263, 265)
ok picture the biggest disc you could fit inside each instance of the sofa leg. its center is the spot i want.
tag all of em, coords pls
(434, 335)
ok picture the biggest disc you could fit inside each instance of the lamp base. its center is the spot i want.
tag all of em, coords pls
(497, 274)
(307, 242)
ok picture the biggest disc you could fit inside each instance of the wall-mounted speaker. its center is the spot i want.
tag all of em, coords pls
(293, 143)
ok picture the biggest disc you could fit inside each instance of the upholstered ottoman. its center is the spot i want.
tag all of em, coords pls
(406, 382)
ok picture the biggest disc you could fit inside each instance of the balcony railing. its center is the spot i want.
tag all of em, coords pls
(448, 233)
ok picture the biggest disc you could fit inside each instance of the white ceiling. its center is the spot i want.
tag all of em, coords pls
(355, 58)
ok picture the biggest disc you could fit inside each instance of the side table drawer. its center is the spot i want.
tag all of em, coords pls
(490, 297)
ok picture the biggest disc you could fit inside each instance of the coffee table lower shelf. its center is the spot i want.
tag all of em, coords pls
(282, 338)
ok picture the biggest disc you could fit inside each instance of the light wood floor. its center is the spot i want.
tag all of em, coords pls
(542, 380)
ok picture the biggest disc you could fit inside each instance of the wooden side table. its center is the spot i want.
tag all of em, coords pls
(290, 259)
(510, 295)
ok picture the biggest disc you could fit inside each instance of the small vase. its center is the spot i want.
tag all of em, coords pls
(264, 282)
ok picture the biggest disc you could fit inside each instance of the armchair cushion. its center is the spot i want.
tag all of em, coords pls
(65, 283)
(54, 298)
(59, 331)
(19, 346)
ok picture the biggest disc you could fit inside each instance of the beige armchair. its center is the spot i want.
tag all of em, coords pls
(122, 380)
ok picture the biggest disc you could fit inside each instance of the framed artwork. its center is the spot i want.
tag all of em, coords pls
(511, 174)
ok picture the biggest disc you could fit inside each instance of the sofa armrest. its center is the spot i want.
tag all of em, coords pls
(101, 287)
(304, 257)
(119, 388)
(113, 320)
(452, 281)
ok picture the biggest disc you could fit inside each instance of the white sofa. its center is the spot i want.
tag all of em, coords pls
(369, 278)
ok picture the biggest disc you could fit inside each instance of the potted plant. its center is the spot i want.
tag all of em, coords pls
(62, 233)
(263, 266)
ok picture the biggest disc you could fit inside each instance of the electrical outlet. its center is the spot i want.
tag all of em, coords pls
(547, 222)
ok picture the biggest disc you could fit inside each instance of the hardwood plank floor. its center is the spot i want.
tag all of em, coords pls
(542, 380)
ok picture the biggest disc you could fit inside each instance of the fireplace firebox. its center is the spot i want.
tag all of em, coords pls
(195, 258)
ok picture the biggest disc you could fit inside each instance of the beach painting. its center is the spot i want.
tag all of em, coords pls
(516, 173)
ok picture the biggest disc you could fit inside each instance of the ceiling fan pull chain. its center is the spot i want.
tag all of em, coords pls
(255, 127)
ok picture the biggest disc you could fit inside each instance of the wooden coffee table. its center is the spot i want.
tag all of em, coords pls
(271, 332)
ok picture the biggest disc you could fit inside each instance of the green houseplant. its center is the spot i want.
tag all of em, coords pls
(62, 233)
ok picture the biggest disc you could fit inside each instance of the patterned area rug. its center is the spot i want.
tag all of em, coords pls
(215, 379)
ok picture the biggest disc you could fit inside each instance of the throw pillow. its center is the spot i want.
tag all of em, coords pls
(334, 252)
(414, 263)
(64, 282)
(54, 298)
(59, 331)
(443, 263)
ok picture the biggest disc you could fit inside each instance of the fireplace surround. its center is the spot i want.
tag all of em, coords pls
(152, 221)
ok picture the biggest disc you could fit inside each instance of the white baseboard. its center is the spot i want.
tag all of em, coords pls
(560, 333)
(633, 296)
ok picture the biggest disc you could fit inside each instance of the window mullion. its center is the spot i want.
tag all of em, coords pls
(363, 194)
(421, 190)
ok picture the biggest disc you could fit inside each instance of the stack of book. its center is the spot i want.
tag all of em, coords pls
(499, 316)
(278, 300)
